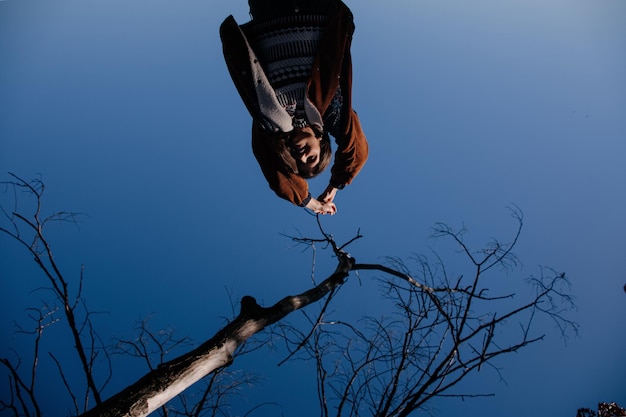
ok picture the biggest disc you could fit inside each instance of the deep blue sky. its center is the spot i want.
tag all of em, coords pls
(126, 110)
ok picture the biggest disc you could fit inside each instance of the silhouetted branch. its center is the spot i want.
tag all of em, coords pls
(28, 231)
(443, 331)
(442, 327)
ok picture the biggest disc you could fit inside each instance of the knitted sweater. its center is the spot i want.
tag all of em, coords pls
(286, 47)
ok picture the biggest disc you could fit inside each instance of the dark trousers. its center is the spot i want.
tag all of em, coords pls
(268, 9)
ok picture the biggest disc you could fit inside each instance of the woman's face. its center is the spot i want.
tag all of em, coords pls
(305, 147)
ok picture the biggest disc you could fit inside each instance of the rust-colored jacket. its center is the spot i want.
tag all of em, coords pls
(332, 68)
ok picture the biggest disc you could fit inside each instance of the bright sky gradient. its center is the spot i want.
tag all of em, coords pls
(127, 112)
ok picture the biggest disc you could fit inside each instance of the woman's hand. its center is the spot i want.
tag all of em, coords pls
(328, 195)
(320, 207)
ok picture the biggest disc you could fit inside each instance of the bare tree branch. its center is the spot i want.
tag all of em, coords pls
(442, 328)
(43, 256)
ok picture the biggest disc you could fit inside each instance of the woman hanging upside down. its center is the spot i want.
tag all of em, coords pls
(292, 67)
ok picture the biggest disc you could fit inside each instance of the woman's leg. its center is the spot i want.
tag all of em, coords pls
(313, 6)
(267, 9)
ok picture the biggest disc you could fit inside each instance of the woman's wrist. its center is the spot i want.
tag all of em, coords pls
(313, 204)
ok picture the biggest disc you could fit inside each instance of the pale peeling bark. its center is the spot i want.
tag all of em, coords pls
(161, 385)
